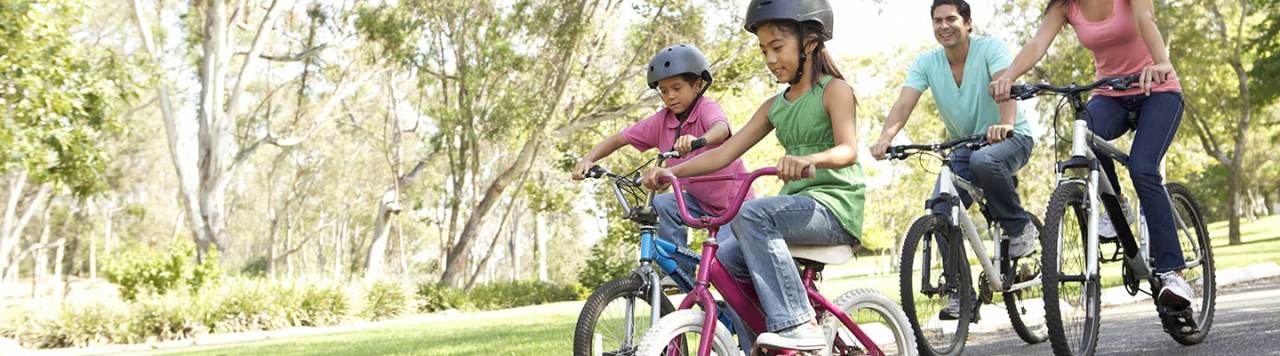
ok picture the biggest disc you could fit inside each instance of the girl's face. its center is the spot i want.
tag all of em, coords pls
(677, 93)
(781, 50)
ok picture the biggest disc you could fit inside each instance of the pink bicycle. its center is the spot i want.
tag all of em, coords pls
(860, 322)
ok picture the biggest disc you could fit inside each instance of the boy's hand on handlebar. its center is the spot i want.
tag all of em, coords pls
(651, 179)
(999, 132)
(1154, 74)
(580, 169)
(791, 168)
(684, 144)
(880, 150)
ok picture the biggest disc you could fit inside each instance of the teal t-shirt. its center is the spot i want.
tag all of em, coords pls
(966, 109)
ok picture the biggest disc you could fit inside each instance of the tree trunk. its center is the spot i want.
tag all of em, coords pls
(456, 266)
(540, 249)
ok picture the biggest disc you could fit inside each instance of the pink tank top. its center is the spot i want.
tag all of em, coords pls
(1118, 49)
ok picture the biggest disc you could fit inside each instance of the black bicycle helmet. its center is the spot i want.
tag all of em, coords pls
(676, 60)
(798, 11)
(762, 11)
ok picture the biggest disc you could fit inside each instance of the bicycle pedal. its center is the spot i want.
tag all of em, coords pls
(1178, 321)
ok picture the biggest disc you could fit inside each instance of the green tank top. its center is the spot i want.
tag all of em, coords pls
(804, 127)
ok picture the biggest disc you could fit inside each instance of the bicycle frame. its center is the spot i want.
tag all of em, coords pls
(1083, 145)
(959, 217)
(741, 296)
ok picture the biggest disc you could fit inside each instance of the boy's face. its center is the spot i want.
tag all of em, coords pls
(677, 94)
(781, 51)
(949, 28)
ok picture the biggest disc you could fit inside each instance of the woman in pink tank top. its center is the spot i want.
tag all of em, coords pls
(1124, 40)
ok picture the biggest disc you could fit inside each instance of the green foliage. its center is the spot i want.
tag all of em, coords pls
(385, 300)
(57, 95)
(433, 297)
(520, 293)
(168, 317)
(612, 257)
(252, 305)
(141, 270)
(323, 305)
(84, 325)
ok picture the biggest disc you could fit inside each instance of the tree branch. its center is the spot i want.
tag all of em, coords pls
(293, 57)
(233, 104)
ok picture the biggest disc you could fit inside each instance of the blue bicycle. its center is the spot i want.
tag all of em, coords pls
(620, 311)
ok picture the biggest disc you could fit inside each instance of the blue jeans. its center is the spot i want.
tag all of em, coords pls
(993, 169)
(763, 228)
(1157, 121)
(671, 226)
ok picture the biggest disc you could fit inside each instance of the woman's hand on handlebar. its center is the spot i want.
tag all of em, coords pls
(791, 168)
(1155, 74)
(651, 179)
(1000, 88)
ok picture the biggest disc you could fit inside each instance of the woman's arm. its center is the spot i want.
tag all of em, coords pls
(1144, 15)
(1054, 19)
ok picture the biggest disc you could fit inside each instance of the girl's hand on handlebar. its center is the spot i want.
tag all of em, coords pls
(651, 179)
(791, 168)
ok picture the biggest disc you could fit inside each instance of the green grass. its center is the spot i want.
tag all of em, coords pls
(538, 334)
(551, 332)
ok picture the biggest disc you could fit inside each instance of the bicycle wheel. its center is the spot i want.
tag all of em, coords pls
(1198, 254)
(880, 319)
(1026, 305)
(927, 287)
(1071, 303)
(604, 317)
(679, 333)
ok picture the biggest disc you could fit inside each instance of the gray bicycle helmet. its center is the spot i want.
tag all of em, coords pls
(801, 11)
(676, 60)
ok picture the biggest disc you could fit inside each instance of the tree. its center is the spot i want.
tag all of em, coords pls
(58, 100)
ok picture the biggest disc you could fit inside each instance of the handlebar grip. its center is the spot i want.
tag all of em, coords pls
(698, 143)
(596, 172)
(1023, 91)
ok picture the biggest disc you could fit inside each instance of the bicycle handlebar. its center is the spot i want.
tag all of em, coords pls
(1028, 91)
(746, 178)
(903, 151)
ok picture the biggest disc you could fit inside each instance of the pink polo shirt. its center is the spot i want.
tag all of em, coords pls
(659, 131)
(1118, 49)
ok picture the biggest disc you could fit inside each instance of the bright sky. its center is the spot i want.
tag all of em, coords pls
(862, 28)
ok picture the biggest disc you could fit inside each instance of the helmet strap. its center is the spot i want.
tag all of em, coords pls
(803, 57)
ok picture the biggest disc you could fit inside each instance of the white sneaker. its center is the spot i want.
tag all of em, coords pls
(803, 337)
(1175, 292)
(1106, 228)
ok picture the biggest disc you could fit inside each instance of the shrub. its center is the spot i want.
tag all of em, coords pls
(520, 293)
(81, 326)
(434, 297)
(384, 300)
(139, 270)
(323, 305)
(168, 317)
(252, 306)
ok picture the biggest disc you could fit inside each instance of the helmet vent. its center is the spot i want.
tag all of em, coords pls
(667, 65)
(764, 3)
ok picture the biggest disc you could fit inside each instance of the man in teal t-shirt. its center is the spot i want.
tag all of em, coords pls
(959, 73)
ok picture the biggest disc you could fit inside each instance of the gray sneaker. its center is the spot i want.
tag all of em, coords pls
(1175, 292)
(1024, 243)
(803, 337)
